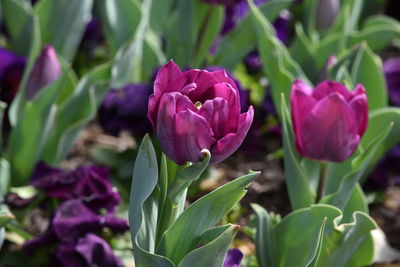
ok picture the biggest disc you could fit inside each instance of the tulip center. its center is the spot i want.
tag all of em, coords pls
(198, 104)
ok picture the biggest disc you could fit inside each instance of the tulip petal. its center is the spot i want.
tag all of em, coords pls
(204, 81)
(327, 87)
(169, 79)
(330, 131)
(232, 141)
(222, 76)
(223, 118)
(301, 103)
(181, 131)
(359, 104)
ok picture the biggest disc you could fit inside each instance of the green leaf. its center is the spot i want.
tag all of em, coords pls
(367, 70)
(161, 15)
(297, 234)
(4, 177)
(18, 19)
(129, 60)
(300, 193)
(28, 137)
(119, 20)
(378, 31)
(280, 68)
(62, 23)
(5, 215)
(233, 47)
(143, 215)
(76, 111)
(313, 259)
(213, 253)
(348, 17)
(182, 34)
(305, 233)
(265, 239)
(3, 107)
(200, 216)
(378, 121)
(186, 176)
(211, 25)
(17, 106)
(349, 244)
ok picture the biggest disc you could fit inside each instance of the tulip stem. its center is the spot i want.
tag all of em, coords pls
(322, 181)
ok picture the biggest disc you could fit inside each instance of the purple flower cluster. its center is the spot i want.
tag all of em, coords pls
(89, 204)
(11, 71)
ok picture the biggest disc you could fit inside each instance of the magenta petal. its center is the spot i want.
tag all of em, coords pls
(169, 79)
(204, 81)
(359, 104)
(301, 103)
(232, 141)
(223, 118)
(327, 87)
(330, 131)
(222, 76)
(181, 131)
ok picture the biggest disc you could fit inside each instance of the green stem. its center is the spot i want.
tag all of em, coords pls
(322, 181)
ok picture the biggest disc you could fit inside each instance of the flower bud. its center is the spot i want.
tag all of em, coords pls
(46, 70)
(327, 11)
(329, 121)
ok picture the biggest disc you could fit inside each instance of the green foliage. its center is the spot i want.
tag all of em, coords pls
(197, 221)
(313, 237)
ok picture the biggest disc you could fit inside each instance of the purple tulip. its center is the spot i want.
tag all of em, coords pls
(329, 121)
(391, 68)
(126, 109)
(11, 70)
(195, 110)
(46, 70)
(233, 258)
(91, 184)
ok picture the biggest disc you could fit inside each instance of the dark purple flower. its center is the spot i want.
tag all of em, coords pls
(391, 69)
(89, 250)
(91, 184)
(233, 258)
(126, 109)
(243, 94)
(46, 70)
(11, 71)
(387, 171)
(73, 219)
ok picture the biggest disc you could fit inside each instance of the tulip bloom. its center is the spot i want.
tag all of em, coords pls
(46, 70)
(329, 121)
(195, 110)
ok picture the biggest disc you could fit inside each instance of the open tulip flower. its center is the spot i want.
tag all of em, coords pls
(195, 110)
(329, 121)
